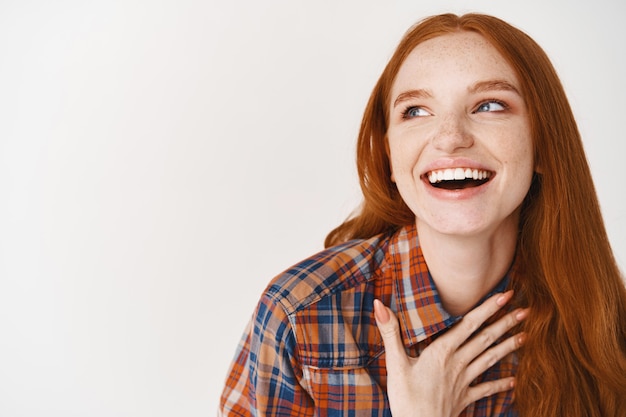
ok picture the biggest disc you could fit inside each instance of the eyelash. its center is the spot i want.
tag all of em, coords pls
(405, 113)
(492, 100)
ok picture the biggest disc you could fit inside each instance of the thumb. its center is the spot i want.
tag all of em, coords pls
(390, 331)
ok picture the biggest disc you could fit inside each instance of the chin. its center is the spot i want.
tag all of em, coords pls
(453, 224)
(461, 231)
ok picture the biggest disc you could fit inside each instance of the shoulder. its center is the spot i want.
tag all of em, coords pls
(336, 269)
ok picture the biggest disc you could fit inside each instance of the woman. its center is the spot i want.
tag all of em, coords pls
(477, 195)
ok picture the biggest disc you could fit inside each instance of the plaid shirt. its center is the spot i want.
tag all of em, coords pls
(312, 347)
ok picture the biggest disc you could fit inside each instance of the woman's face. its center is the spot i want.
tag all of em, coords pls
(459, 137)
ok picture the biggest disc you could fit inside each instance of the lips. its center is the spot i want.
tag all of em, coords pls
(458, 178)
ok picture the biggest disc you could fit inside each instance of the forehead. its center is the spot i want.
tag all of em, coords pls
(454, 57)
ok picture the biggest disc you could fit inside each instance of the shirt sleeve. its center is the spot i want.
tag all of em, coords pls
(264, 378)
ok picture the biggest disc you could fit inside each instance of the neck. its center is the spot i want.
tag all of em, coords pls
(466, 268)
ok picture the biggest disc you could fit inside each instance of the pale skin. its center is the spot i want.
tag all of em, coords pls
(437, 383)
(456, 106)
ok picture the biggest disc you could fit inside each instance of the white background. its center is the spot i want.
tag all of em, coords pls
(161, 161)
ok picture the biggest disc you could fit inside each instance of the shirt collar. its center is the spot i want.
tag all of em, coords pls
(416, 299)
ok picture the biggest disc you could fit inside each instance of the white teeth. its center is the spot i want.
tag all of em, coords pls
(450, 174)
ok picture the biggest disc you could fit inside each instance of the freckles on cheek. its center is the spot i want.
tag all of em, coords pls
(401, 170)
(403, 159)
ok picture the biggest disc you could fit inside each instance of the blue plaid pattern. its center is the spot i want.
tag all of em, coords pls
(312, 346)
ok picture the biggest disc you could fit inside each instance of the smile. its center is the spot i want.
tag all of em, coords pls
(458, 178)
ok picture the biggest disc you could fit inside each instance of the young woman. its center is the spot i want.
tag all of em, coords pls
(476, 279)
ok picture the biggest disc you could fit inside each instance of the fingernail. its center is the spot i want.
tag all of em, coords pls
(522, 315)
(504, 298)
(381, 313)
(512, 383)
(521, 339)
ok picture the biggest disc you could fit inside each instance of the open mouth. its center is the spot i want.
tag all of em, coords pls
(458, 178)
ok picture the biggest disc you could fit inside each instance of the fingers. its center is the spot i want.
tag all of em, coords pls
(489, 335)
(493, 355)
(447, 367)
(474, 319)
(390, 331)
(489, 388)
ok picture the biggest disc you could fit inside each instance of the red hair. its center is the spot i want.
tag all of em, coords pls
(574, 362)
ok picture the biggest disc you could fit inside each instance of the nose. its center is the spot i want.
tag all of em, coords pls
(452, 134)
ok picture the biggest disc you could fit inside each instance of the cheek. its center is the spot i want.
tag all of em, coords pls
(518, 150)
(525, 156)
(521, 167)
(403, 156)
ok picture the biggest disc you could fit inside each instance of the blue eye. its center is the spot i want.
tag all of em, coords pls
(414, 111)
(491, 106)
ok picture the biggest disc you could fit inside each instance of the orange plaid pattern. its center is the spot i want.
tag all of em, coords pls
(312, 347)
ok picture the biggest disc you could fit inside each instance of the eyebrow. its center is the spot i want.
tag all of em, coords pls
(493, 85)
(410, 95)
(479, 87)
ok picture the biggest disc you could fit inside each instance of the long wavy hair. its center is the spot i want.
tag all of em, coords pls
(574, 362)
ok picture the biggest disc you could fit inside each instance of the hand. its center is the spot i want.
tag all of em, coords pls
(437, 383)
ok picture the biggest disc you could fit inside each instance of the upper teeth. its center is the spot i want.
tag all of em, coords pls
(449, 174)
